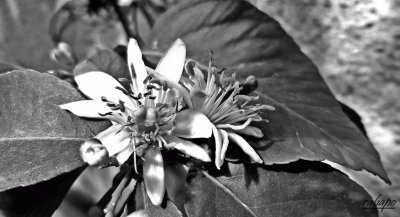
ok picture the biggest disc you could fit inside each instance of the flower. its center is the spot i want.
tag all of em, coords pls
(142, 117)
(218, 97)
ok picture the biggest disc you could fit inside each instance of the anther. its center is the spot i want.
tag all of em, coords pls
(104, 99)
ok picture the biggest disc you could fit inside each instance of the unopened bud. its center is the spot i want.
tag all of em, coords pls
(63, 54)
(249, 85)
(94, 153)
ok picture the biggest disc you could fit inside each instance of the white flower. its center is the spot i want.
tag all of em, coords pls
(142, 117)
(218, 98)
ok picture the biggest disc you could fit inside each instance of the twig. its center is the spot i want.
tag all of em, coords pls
(110, 209)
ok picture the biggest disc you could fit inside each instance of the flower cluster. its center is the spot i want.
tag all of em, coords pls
(163, 109)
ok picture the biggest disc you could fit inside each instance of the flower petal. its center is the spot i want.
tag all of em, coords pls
(140, 213)
(91, 109)
(225, 143)
(124, 155)
(188, 148)
(198, 98)
(135, 60)
(251, 131)
(235, 127)
(246, 147)
(114, 139)
(218, 147)
(191, 124)
(99, 84)
(171, 64)
(153, 174)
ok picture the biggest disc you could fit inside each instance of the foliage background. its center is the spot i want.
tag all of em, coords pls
(355, 44)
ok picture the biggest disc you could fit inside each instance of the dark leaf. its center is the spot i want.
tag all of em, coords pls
(308, 122)
(38, 140)
(39, 200)
(105, 60)
(296, 189)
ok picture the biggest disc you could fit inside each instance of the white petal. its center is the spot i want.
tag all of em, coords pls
(218, 147)
(192, 124)
(251, 131)
(188, 148)
(135, 60)
(113, 140)
(139, 213)
(90, 109)
(246, 147)
(124, 154)
(97, 84)
(225, 143)
(172, 63)
(153, 174)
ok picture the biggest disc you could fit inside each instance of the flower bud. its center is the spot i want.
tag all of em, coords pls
(94, 153)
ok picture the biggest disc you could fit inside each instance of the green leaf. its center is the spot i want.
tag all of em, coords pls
(297, 189)
(39, 200)
(38, 140)
(308, 122)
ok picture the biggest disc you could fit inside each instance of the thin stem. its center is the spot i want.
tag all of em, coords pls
(110, 209)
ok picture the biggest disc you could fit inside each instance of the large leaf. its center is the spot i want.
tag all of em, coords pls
(308, 122)
(38, 140)
(296, 189)
(39, 200)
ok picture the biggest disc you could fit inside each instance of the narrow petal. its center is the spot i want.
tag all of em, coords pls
(246, 147)
(236, 127)
(153, 174)
(251, 131)
(91, 109)
(96, 85)
(225, 143)
(172, 63)
(114, 139)
(188, 148)
(135, 60)
(191, 124)
(218, 147)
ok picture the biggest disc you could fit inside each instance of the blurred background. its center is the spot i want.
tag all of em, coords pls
(354, 43)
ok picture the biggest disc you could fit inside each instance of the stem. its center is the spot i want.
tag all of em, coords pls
(110, 209)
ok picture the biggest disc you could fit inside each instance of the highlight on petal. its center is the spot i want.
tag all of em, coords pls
(218, 147)
(96, 85)
(136, 66)
(172, 63)
(191, 124)
(225, 143)
(188, 147)
(124, 155)
(90, 109)
(94, 153)
(246, 147)
(153, 174)
(114, 139)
